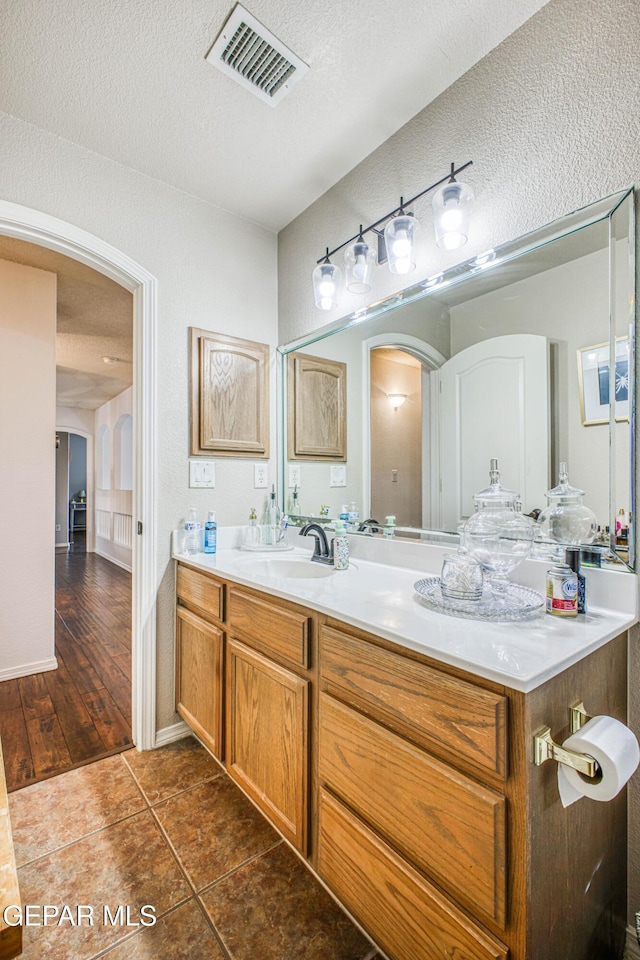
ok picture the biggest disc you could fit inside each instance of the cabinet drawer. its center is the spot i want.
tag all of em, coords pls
(445, 823)
(427, 706)
(201, 591)
(403, 912)
(274, 629)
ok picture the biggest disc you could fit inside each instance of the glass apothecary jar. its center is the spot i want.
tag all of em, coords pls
(498, 535)
(566, 519)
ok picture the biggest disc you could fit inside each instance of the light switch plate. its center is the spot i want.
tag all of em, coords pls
(260, 476)
(294, 475)
(338, 476)
(202, 473)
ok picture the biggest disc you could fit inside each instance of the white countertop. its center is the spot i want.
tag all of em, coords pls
(377, 595)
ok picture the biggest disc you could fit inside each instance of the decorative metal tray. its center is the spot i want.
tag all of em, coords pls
(519, 603)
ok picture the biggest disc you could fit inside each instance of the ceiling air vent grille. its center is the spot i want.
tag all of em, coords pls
(255, 58)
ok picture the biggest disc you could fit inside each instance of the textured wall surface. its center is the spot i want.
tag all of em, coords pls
(550, 119)
(27, 398)
(198, 254)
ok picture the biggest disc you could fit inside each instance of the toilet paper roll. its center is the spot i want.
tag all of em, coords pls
(616, 750)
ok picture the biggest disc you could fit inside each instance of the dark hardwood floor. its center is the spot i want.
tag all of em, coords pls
(54, 721)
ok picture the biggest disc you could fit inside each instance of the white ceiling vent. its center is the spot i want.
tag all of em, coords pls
(251, 55)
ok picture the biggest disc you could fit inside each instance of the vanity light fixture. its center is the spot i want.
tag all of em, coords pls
(484, 259)
(396, 233)
(396, 399)
(451, 213)
(399, 238)
(359, 259)
(326, 278)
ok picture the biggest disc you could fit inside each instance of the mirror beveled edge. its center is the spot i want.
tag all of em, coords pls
(596, 212)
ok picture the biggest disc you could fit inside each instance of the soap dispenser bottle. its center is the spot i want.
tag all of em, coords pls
(210, 533)
(340, 547)
(294, 503)
(252, 531)
(272, 517)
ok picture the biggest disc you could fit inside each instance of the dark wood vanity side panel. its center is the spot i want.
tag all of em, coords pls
(581, 848)
(452, 717)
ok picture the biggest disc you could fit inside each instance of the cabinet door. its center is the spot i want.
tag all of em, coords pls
(199, 660)
(267, 738)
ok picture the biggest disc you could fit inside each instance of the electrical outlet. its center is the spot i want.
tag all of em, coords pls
(338, 476)
(294, 475)
(394, 476)
(202, 473)
(58, 528)
(260, 476)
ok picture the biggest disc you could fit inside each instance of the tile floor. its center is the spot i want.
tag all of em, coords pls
(167, 828)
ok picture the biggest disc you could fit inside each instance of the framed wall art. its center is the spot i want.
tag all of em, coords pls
(594, 381)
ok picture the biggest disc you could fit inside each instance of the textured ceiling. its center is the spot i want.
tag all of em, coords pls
(95, 320)
(128, 79)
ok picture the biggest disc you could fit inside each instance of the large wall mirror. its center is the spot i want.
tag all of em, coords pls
(525, 355)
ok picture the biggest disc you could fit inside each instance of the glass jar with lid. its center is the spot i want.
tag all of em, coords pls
(566, 519)
(498, 535)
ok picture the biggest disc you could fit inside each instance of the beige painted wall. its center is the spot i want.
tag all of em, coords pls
(396, 442)
(27, 442)
(191, 247)
(550, 119)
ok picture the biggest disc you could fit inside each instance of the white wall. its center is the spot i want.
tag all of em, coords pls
(113, 506)
(62, 490)
(550, 119)
(27, 442)
(192, 248)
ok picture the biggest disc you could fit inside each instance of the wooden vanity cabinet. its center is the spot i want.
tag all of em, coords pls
(408, 784)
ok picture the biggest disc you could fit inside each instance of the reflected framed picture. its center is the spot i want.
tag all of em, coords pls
(595, 382)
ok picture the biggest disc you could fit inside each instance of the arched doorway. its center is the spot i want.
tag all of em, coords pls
(35, 227)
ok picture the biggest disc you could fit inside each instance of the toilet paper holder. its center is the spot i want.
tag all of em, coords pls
(546, 749)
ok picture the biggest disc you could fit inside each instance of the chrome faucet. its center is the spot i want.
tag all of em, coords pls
(321, 551)
(375, 527)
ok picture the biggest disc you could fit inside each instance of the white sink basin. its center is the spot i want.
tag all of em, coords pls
(288, 567)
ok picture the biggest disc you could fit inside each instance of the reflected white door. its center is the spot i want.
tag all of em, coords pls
(503, 381)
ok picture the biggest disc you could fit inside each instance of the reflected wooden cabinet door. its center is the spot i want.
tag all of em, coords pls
(317, 414)
(267, 738)
(229, 396)
(199, 659)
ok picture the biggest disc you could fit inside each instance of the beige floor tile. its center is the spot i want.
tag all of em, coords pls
(182, 935)
(54, 812)
(127, 864)
(272, 908)
(214, 829)
(162, 773)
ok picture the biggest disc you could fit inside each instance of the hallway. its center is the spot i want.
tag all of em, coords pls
(55, 721)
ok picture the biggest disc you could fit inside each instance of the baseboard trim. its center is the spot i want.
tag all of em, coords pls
(632, 948)
(176, 731)
(118, 563)
(40, 666)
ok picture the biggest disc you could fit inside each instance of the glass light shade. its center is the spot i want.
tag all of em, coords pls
(396, 399)
(567, 519)
(326, 279)
(399, 236)
(359, 260)
(451, 214)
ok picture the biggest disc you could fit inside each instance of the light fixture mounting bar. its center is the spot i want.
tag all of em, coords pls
(392, 213)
